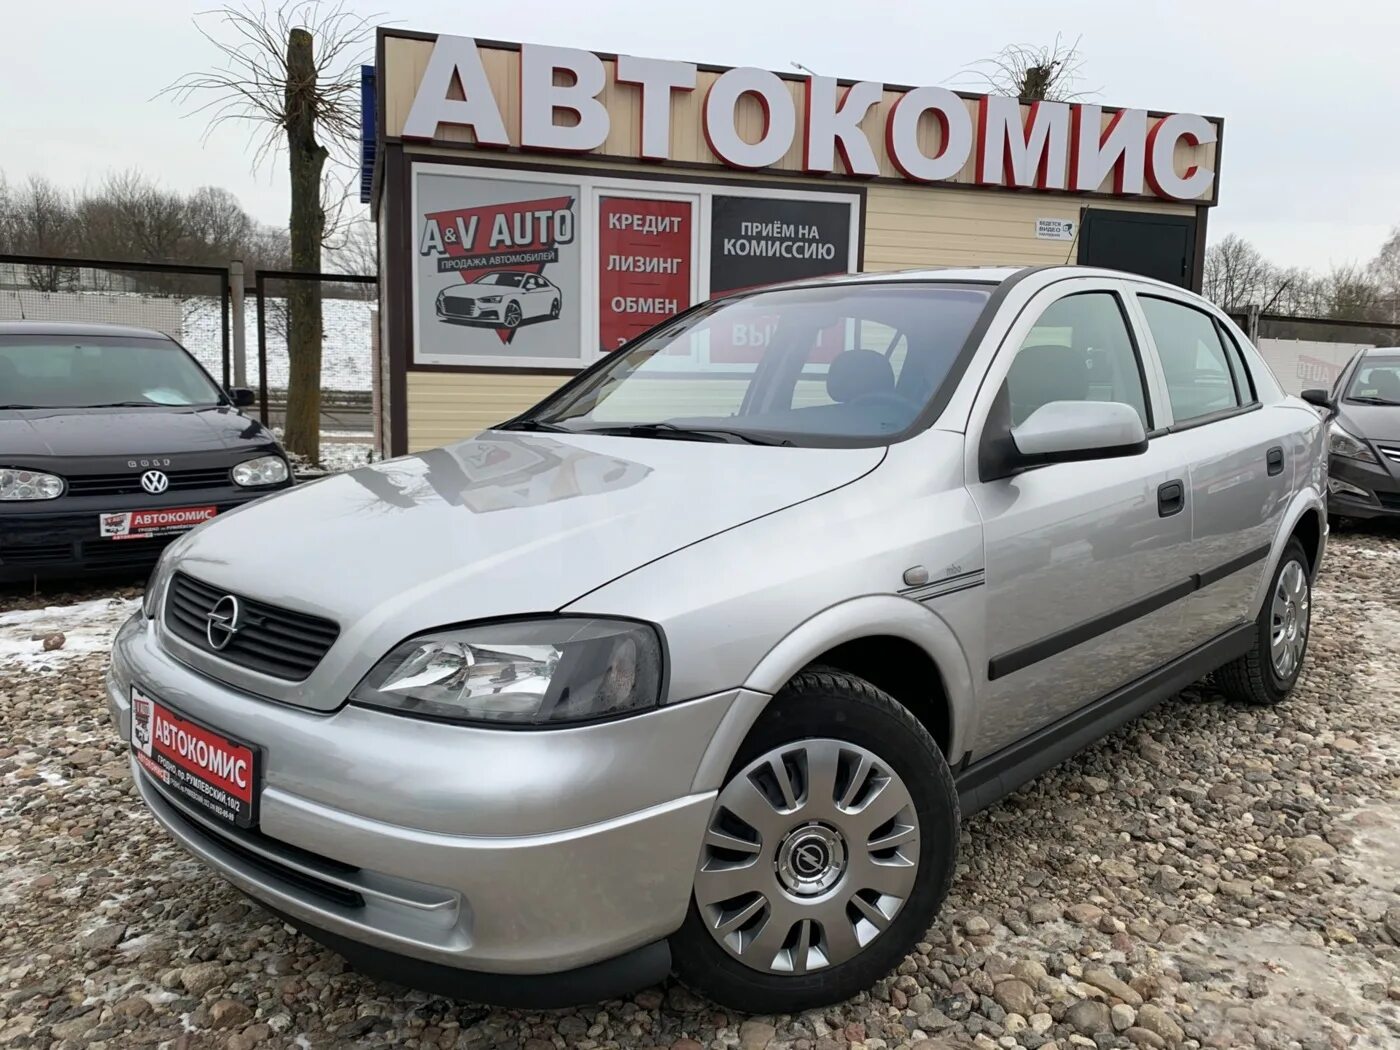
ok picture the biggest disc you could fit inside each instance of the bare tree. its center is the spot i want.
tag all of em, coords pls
(1385, 269)
(1033, 72)
(357, 253)
(43, 224)
(292, 72)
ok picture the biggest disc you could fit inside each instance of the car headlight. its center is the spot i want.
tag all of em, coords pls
(265, 470)
(1342, 443)
(18, 484)
(526, 672)
(490, 299)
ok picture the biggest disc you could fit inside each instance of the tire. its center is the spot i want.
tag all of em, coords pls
(554, 310)
(1257, 677)
(513, 316)
(828, 720)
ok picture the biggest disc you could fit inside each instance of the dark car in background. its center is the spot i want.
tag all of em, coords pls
(113, 441)
(1364, 435)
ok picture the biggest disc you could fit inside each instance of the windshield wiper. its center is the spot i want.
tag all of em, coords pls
(679, 433)
(1366, 399)
(534, 424)
(23, 406)
(126, 404)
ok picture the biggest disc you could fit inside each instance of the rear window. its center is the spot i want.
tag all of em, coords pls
(54, 371)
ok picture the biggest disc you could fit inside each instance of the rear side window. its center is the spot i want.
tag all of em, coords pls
(1201, 378)
(1079, 350)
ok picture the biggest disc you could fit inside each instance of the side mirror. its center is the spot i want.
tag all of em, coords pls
(241, 396)
(1070, 431)
(1321, 398)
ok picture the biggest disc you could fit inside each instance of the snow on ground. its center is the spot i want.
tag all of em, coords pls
(88, 627)
(345, 352)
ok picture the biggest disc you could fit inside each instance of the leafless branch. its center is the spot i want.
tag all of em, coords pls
(251, 82)
(1033, 72)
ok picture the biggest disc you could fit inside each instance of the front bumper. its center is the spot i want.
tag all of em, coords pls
(1361, 490)
(407, 858)
(60, 538)
(475, 315)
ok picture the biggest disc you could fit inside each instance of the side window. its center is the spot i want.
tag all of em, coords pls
(1198, 373)
(1244, 381)
(1079, 350)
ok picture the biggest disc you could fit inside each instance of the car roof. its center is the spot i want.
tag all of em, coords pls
(981, 275)
(1381, 351)
(75, 328)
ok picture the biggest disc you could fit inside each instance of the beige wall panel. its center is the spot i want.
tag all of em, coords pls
(405, 61)
(908, 227)
(447, 406)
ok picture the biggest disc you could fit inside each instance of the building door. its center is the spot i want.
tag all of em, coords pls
(1160, 246)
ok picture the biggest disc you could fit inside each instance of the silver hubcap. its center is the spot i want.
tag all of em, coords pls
(1288, 630)
(811, 852)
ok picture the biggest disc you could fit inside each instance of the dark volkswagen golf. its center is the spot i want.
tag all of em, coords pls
(113, 441)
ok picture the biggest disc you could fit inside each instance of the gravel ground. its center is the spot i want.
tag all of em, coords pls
(1212, 875)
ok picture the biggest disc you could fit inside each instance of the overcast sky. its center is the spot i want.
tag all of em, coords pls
(1309, 91)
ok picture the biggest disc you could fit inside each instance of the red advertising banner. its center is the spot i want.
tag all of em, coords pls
(643, 265)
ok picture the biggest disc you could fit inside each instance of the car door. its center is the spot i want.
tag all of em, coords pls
(536, 297)
(1082, 559)
(1240, 454)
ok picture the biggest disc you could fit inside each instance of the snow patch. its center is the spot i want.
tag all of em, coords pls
(88, 628)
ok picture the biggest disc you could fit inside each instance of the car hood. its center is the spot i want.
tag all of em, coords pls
(1373, 422)
(44, 432)
(503, 524)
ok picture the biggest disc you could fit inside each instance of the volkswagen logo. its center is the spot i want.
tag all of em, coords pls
(809, 859)
(223, 622)
(155, 481)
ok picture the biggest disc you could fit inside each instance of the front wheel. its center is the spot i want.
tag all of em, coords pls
(513, 315)
(831, 847)
(1267, 673)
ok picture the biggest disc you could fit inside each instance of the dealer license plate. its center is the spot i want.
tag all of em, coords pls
(145, 524)
(205, 768)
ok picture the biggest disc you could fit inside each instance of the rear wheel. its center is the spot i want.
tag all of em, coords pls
(1267, 673)
(831, 847)
(554, 309)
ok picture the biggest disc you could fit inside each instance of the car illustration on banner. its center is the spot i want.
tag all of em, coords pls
(501, 299)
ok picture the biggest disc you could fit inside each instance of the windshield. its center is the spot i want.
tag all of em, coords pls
(833, 362)
(1377, 380)
(56, 371)
(501, 277)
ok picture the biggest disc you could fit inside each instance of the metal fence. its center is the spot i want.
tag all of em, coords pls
(187, 303)
(1312, 351)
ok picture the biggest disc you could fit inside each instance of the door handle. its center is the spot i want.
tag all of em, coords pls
(1275, 460)
(1171, 498)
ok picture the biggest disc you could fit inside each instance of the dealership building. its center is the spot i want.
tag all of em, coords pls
(539, 206)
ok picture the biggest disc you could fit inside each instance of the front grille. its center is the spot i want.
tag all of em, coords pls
(1390, 452)
(459, 307)
(272, 641)
(252, 847)
(129, 484)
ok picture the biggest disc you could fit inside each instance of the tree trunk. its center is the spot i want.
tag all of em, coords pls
(307, 228)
